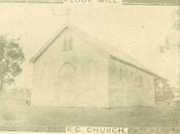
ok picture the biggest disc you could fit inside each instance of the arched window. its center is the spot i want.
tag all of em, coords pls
(159, 89)
(67, 45)
(91, 71)
(139, 81)
(66, 76)
(120, 73)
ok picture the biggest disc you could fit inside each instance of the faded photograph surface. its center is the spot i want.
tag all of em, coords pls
(98, 65)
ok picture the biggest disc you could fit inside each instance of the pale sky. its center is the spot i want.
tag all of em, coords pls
(137, 30)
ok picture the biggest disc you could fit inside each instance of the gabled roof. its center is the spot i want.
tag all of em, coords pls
(119, 56)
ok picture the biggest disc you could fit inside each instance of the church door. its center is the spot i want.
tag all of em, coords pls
(65, 84)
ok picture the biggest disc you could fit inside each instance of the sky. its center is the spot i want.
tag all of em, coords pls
(137, 30)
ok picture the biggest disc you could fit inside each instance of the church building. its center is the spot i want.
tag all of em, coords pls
(72, 70)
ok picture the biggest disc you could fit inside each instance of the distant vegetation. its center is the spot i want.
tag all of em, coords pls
(11, 59)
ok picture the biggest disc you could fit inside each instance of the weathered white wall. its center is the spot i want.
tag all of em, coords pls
(88, 87)
(86, 76)
(129, 86)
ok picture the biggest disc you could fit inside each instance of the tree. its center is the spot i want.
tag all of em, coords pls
(177, 22)
(11, 59)
(173, 43)
(173, 38)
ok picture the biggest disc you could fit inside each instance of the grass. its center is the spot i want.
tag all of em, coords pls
(16, 116)
(56, 118)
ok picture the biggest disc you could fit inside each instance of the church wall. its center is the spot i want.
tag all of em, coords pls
(71, 78)
(129, 86)
(82, 75)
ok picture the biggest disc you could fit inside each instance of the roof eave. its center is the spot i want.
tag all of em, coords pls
(48, 44)
(139, 68)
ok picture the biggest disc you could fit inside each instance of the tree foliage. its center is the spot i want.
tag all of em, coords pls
(172, 39)
(11, 59)
(177, 23)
